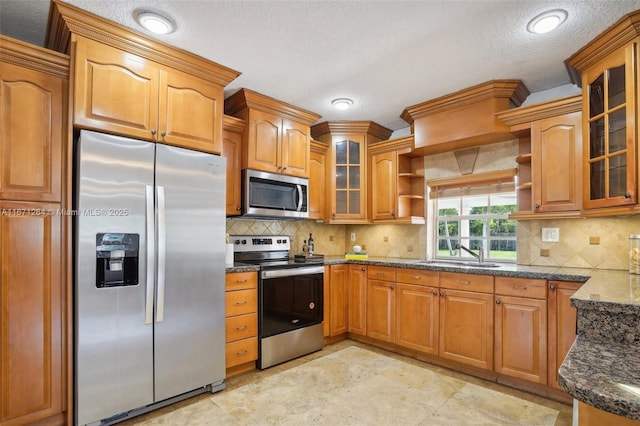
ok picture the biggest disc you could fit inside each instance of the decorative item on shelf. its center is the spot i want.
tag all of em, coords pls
(305, 249)
(359, 255)
(357, 249)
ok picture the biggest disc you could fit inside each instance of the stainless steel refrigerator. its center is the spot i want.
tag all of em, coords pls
(149, 275)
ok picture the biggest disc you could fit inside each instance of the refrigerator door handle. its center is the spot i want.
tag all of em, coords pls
(150, 255)
(162, 238)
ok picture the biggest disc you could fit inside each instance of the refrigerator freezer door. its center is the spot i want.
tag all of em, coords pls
(114, 342)
(190, 332)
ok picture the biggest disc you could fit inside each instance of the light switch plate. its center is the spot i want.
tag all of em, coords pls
(550, 235)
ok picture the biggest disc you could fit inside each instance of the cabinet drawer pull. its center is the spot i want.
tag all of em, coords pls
(379, 274)
(241, 281)
(519, 287)
(464, 282)
(244, 302)
(242, 353)
(416, 277)
(241, 328)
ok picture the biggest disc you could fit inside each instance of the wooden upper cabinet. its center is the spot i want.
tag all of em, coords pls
(384, 185)
(277, 137)
(122, 93)
(607, 70)
(550, 157)
(396, 182)
(232, 150)
(317, 180)
(128, 84)
(556, 149)
(347, 165)
(190, 112)
(33, 104)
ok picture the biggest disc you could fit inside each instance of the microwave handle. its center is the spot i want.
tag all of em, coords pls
(299, 187)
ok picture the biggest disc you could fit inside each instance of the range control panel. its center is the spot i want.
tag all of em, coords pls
(243, 243)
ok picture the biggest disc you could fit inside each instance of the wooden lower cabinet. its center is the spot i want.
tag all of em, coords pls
(466, 327)
(381, 305)
(33, 357)
(521, 328)
(416, 322)
(561, 325)
(241, 324)
(521, 338)
(338, 294)
(357, 300)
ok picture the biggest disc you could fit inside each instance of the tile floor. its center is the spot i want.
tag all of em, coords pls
(349, 383)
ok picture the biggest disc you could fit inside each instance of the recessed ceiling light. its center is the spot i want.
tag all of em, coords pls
(155, 23)
(547, 21)
(342, 103)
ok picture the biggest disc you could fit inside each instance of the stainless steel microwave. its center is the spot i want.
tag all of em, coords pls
(272, 195)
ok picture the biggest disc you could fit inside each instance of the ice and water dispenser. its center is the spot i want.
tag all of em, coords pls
(116, 259)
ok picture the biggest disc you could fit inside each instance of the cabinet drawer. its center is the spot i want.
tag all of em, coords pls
(417, 276)
(524, 287)
(241, 327)
(241, 280)
(384, 273)
(468, 282)
(241, 302)
(242, 351)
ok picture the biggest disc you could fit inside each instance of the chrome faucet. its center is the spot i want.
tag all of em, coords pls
(479, 256)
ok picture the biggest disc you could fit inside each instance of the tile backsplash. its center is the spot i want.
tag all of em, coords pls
(574, 249)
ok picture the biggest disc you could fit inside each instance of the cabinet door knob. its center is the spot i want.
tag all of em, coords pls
(163, 134)
(393, 215)
(442, 294)
(552, 287)
(627, 196)
(362, 269)
(537, 205)
(153, 132)
(391, 287)
(497, 302)
(238, 208)
(435, 293)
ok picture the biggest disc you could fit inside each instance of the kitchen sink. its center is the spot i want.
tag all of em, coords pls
(456, 263)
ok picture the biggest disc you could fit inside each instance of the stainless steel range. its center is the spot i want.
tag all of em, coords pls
(290, 304)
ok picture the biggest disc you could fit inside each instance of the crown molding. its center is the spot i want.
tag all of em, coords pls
(36, 58)
(339, 127)
(245, 98)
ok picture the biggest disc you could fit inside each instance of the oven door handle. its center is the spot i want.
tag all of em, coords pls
(291, 272)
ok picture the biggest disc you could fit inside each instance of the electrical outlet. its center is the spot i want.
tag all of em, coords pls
(330, 237)
(545, 252)
(353, 236)
(594, 240)
(409, 249)
(385, 239)
(550, 235)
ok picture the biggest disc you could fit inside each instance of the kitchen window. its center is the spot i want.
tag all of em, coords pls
(473, 211)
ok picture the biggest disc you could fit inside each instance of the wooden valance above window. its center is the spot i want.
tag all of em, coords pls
(473, 184)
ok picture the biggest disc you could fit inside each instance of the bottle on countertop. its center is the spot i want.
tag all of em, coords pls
(305, 248)
(311, 245)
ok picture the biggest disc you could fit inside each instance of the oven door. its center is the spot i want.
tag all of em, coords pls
(290, 299)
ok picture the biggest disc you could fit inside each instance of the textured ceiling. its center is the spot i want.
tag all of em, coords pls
(385, 55)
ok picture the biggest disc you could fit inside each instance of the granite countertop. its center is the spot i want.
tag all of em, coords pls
(241, 267)
(603, 374)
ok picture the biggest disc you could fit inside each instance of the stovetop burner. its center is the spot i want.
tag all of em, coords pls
(269, 251)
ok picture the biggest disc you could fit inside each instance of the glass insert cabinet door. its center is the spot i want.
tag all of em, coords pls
(349, 166)
(609, 155)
